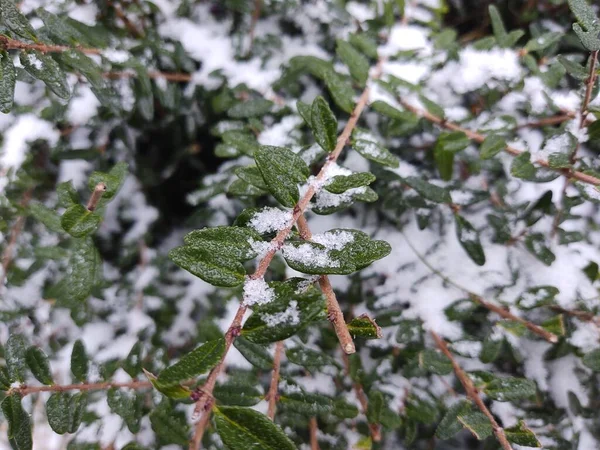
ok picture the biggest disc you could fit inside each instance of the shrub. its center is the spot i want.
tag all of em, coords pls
(284, 224)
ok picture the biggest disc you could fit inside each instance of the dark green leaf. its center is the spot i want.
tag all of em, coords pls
(195, 363)
(374, 152)
(19, 424)
(79, 362)
(15, 21)
(521, 435)
(243, 428)
(232, 394)
(429, 191)
(46, 215)
(537, 296)
(252, 175)
(364, 43)
(536, 244)
(588, 28)
(469, 240)
(508, 389)
(133, 363)
(113, 180)
(251, 108)
(309, 358)
(59, 29)
(78, 221)
(522, 167)
(235, 242)
(308, 404)
(364, 327)
(340, 90)
(449, 425)
(175, 391)
(7, 82)
(39, 365)
(376, 403)
(282, 170)
(15, 350)
(477, 423)
(356, 62)
(435, 362)
(491, 146)
(341, 183)
(343, 409)
(43, 67)
(256, 354)
(592, 360)
(125, 405)
(169, 426)
(82, 273)
(67, 194)
(432, 107)
(490, 348)
(574, 69)
(323, 124)
(65, 411)
(304, 109)
(216, 269)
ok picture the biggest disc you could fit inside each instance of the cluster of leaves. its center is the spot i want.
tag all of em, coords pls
(424, 192)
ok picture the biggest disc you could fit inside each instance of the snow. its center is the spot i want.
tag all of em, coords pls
(270, 220)
(290, 316)
(257, 292)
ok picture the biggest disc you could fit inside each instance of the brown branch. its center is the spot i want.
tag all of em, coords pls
(546, 121)
(204, 403)
(99, 191)
(15, 231)
(12, 44)
(550, 337)
(169, 76)
(374, 428)
(582, 124)
(479, 138)
(272, 395)
(334, 312)
(472, 392)
(135, 32)
(585, 316)
(26, 390)
(312, 426)
(254, 21)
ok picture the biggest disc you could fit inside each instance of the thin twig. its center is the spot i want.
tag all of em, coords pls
(133, 29)
(479, 138)
(374, 428)
(334, 312)
(204, 403)
(254, 21)
(26, 390)
(585, 316)
(169, 76)
(273, 396)
(12, 44)
(15, 231)
(582, 124)
(99, 191)
(312, 426)
(550, 337)
(471, 391)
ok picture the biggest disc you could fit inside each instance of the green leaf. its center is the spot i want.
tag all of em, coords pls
(175, 391)
(559, 161)
(374, 152)
(244, 428)
(67, 194)
(490, 348)
(7, 82)
(234, 242)
(477, 423)
(82, 273)
(43, 67)
(239, 188)
(435, 362)
(39, 365)
(144, 95)
(126, 406)
(252, 175)
(343, 409)
(78, 221)
(421, 410)
(588, 27)
(305, 403)
(364, 327)
(195, 363)
(233, 394)
(15, 21)
(19, 424)
(256, 354)
(468, 237)
(309, 358)
(574, 69)
(388, 110)
(216, 269)
(429, 191)
(491, 146)
(356, 62)
(508, 389)
(169, 426)
(14, 354)
(65, 411)
(555, 325)
(113, 180)
(522, 167)
(448, 144)
(364, 43)
(304, 109)
(376, 403)
(521, 435)
(94, 75)
(340, 90)
(497, 25)
(536, 244)
(432, 107)
(79, 362)
(241, 141)
(341, 183)
(592, 360)
(449, 425)
(282, 170)
(59, 29)
(543, 41)
(323, 124)
(537, 296)
(47, 216)
(345, 252)
(133, 363)
(251, 108)
(271, 322)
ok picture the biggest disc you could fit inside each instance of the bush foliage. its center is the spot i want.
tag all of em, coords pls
(277, 224)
